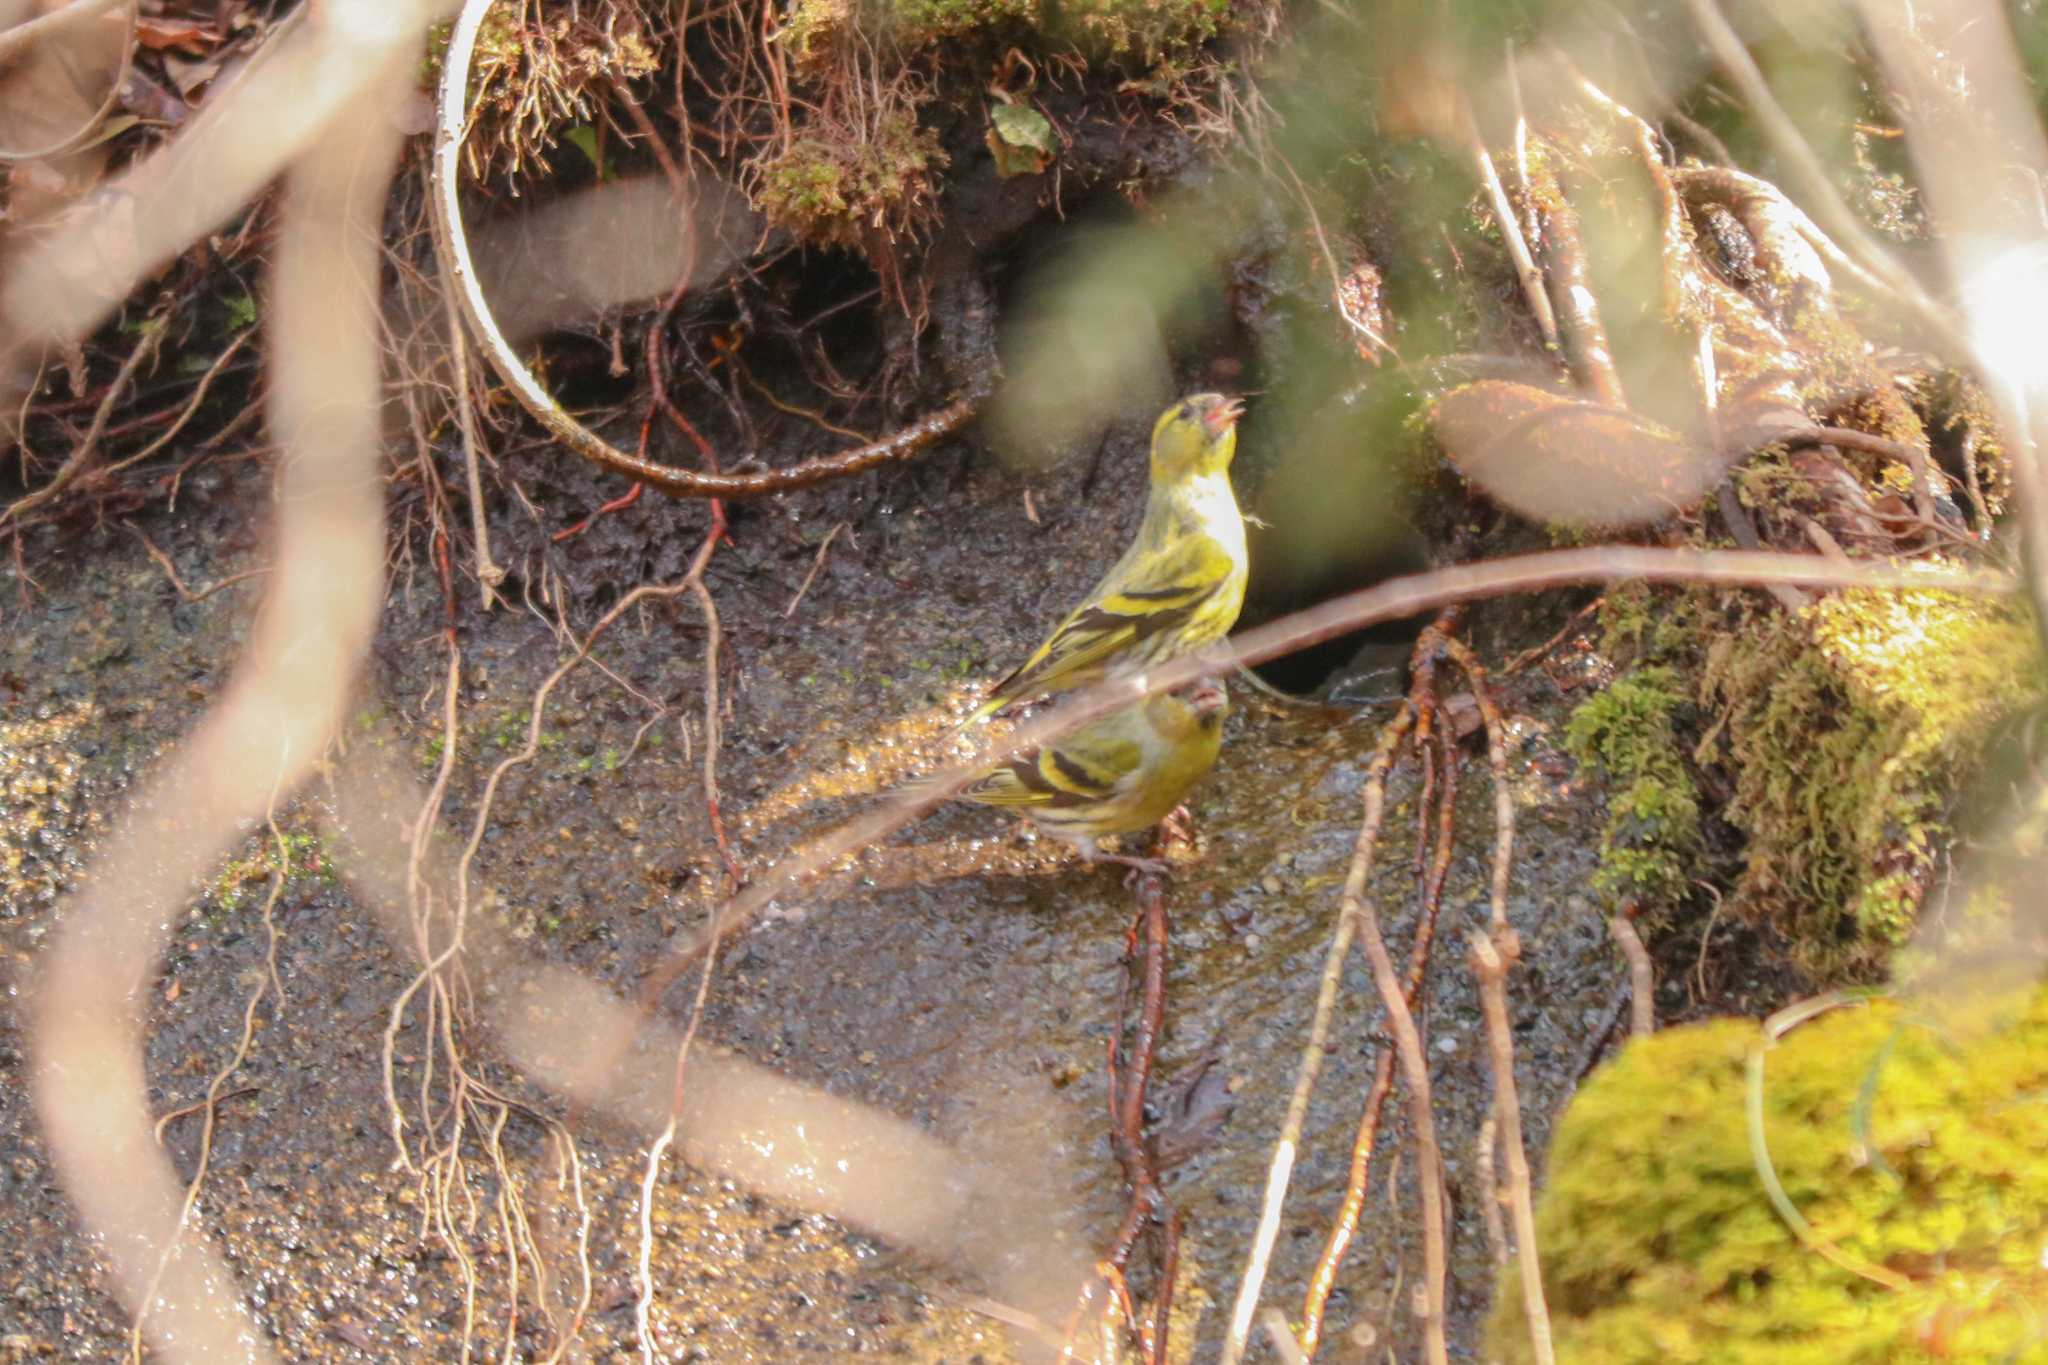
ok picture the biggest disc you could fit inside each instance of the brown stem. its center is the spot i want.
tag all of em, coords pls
(1642, 978)
(1415, 1070)
(1489, 1202)
(1497, 761)
(1912, 456)
(1571, 278)
(1358, 1183)
(81, 457)
(1148, 1202)
(1491, 957)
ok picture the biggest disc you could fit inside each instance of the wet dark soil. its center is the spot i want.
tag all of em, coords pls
(975, 959)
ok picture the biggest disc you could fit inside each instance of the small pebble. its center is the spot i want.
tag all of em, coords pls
(1252, 943)
(1447, 1045)
(1272, 885)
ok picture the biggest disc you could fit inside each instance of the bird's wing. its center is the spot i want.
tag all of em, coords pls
(1061, 775)
(1160, 594)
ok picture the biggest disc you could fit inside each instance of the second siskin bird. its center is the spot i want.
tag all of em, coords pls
(1116, 775)
(1181, 583)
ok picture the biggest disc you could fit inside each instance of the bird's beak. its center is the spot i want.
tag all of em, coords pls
(1223, 416)
(1206, 696)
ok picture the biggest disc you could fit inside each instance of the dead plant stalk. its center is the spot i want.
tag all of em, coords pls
(1493, 952)
(1420, 705)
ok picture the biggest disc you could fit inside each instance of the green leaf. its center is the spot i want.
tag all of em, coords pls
(583, 138)
(1021, 139)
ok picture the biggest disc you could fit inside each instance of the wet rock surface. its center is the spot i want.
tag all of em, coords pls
(966, 960)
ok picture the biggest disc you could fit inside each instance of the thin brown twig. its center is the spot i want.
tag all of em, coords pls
(1570, 275)
(1496, 757)
(81, 457)
(1415, 1070)
(816, 419)
(711, 726)
(191, 407)
(1913, 456)
(163, 561)
(817, 563)
(1148, 1203)
(1642, 977)
(171, 1116)
(489, 573)
(1421, 701)
(1510, 225)
(1571, 626)
(1494, 951)
(1492, 954)
(266, 986)
(1337, 291)
(1486, 1158)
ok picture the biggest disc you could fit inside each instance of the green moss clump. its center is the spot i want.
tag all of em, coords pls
(1848, 733)
(839, 190)
(1909, 1139)
(530, 80)
(1641, 624)
(1652, 840)
(1148, 30)
(1136, 30)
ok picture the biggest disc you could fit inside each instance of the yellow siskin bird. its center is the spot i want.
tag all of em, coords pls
(1121, 773)
(1181, 583)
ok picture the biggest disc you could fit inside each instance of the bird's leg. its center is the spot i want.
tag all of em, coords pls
(1139, 867)
(1152, 866)
(1092, 852)
(1178, 826)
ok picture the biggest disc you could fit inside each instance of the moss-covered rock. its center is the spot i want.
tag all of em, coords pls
(1847, 733)
(1911, 1138)
(1629, 733)
(1837, 741)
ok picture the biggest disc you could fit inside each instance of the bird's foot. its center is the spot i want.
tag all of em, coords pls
(1149, 867)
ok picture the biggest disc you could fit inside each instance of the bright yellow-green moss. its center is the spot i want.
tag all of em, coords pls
(1912, 1137)
(1627, 731)
(1847, 733)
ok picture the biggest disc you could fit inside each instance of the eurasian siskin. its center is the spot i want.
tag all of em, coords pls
(1181, 583)
(1121, 773)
